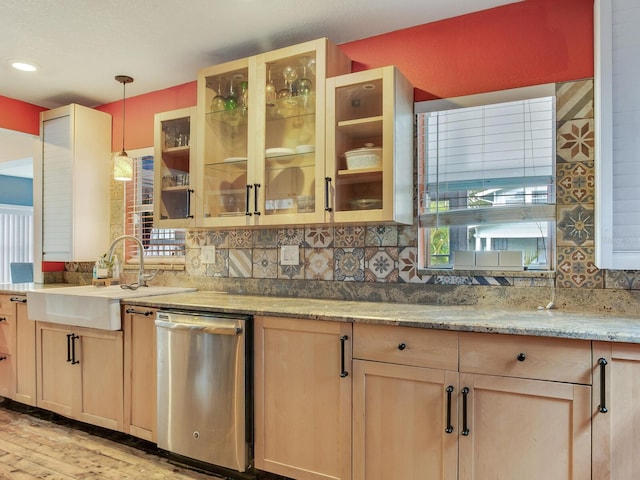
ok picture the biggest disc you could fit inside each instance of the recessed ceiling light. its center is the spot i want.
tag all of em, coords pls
(24, 66)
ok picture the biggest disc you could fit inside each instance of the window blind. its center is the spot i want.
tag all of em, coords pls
(16, 238)
(488, 163)
(157, 242)
(617, 127)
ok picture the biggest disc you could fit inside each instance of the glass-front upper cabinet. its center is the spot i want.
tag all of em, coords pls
(174, 163)
(370, 147)
(262, 136)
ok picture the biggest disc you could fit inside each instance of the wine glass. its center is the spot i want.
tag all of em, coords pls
(218, 102)
(231, 103)
(304, 84)
(270, 90)
(290, 75)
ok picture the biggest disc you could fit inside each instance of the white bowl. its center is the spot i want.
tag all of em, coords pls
(367, 157)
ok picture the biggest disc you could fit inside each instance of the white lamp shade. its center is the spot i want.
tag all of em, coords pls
(122, 167)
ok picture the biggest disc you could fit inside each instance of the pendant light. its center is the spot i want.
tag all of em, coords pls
(122, 163)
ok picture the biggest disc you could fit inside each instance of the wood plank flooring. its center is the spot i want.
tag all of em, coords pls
(35, 448)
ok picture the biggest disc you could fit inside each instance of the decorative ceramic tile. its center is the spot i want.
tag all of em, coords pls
(318, 263)
(574, 100)
(622, 279)
(484, 280)
(408, 266)
(290, 236)
(575, 225)
(196, 238)
(319, 236)
(576, 268)
(382, 236)
(265, 263)
(240, 239)
(381, 264)
(292, 272)
(408, 235)
(349, 264)
(349, 236)
(193, 266)
(265, 238)
(221, 266)
(575, 141)
(240, 263)
(219, 238)
(575, 183)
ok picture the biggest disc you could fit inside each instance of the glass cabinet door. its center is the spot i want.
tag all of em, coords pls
(370, 146)
(173, 167)
(227, 176)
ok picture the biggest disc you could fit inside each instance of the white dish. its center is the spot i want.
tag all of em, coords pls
(235, 159)
(277, 152)
(305, 148)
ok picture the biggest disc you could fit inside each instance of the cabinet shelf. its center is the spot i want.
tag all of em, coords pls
(360, 175)
(178, 188)
(361, 127)
(177, 151)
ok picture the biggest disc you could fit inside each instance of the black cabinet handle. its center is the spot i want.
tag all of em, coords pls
(73, 349)
(255, 199)
(449, 391)
(69, 335)
(146, 313)
(189, 192)
(247, 200)
(402, 346)
(18, 299)
(3, 319)
(343, 371)
(327, 186)
(521, 357)
(3, 358)
(465, 397)
(603, 390)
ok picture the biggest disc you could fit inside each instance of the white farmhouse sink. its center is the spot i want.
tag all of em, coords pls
(87, 306)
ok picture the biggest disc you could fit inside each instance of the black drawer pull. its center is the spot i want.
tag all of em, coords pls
(402, 346)
(3, 319)
(521, 357)
(247, 212)
(602, 408)
(74, 337)
(343, 371)
(465, 396)
(69, 335)
(146, 313)
(3, 358)
(449, 391)
(18, 299)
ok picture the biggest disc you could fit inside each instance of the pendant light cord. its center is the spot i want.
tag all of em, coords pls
(124, 79)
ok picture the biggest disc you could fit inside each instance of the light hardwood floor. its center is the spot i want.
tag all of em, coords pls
(34, 448)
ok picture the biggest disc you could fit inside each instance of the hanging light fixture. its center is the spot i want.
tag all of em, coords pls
(122, 163)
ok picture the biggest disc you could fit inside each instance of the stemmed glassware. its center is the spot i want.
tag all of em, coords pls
(219, 101)
(270, 90)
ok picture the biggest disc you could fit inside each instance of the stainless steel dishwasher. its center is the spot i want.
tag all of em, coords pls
(204, 387)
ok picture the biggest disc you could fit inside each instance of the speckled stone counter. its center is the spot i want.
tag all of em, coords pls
(551, 323)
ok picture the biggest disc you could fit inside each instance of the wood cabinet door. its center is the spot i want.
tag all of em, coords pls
(101, 400)
(616, 431)
(401, 416)
(303, 398)
(57, 380)
(524, 429)
(140, 373)
(25, 356)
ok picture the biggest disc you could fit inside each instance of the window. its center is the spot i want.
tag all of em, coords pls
(161, 245)
(486, 183)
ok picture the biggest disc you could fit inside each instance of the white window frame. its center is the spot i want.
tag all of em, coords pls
(523, 93)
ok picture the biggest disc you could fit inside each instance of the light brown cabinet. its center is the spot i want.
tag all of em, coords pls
(405, 385)
(303, 398)
(616, 411)
(369, 149)
(140, 372)
(261, 136)
(174, 168)
(7, 342)
(80, 373)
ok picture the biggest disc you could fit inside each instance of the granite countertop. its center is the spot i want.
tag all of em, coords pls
(550, 323)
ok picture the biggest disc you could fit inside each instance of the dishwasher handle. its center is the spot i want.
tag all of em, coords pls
(210, 329)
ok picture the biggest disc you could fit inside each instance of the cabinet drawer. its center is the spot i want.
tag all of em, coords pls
(542, 358)
(6, 305)
(406, 346)
(6, 332)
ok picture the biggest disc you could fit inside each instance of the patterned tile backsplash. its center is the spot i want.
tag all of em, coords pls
(380, 262)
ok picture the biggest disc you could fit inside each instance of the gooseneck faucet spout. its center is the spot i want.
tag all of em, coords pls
(142, 277)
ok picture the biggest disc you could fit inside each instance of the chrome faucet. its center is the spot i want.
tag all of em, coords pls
(143, 278)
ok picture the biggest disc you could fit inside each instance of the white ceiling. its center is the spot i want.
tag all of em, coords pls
(80, 45)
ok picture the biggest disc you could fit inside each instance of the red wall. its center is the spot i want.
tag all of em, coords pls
(19, 116)
(526, 43)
